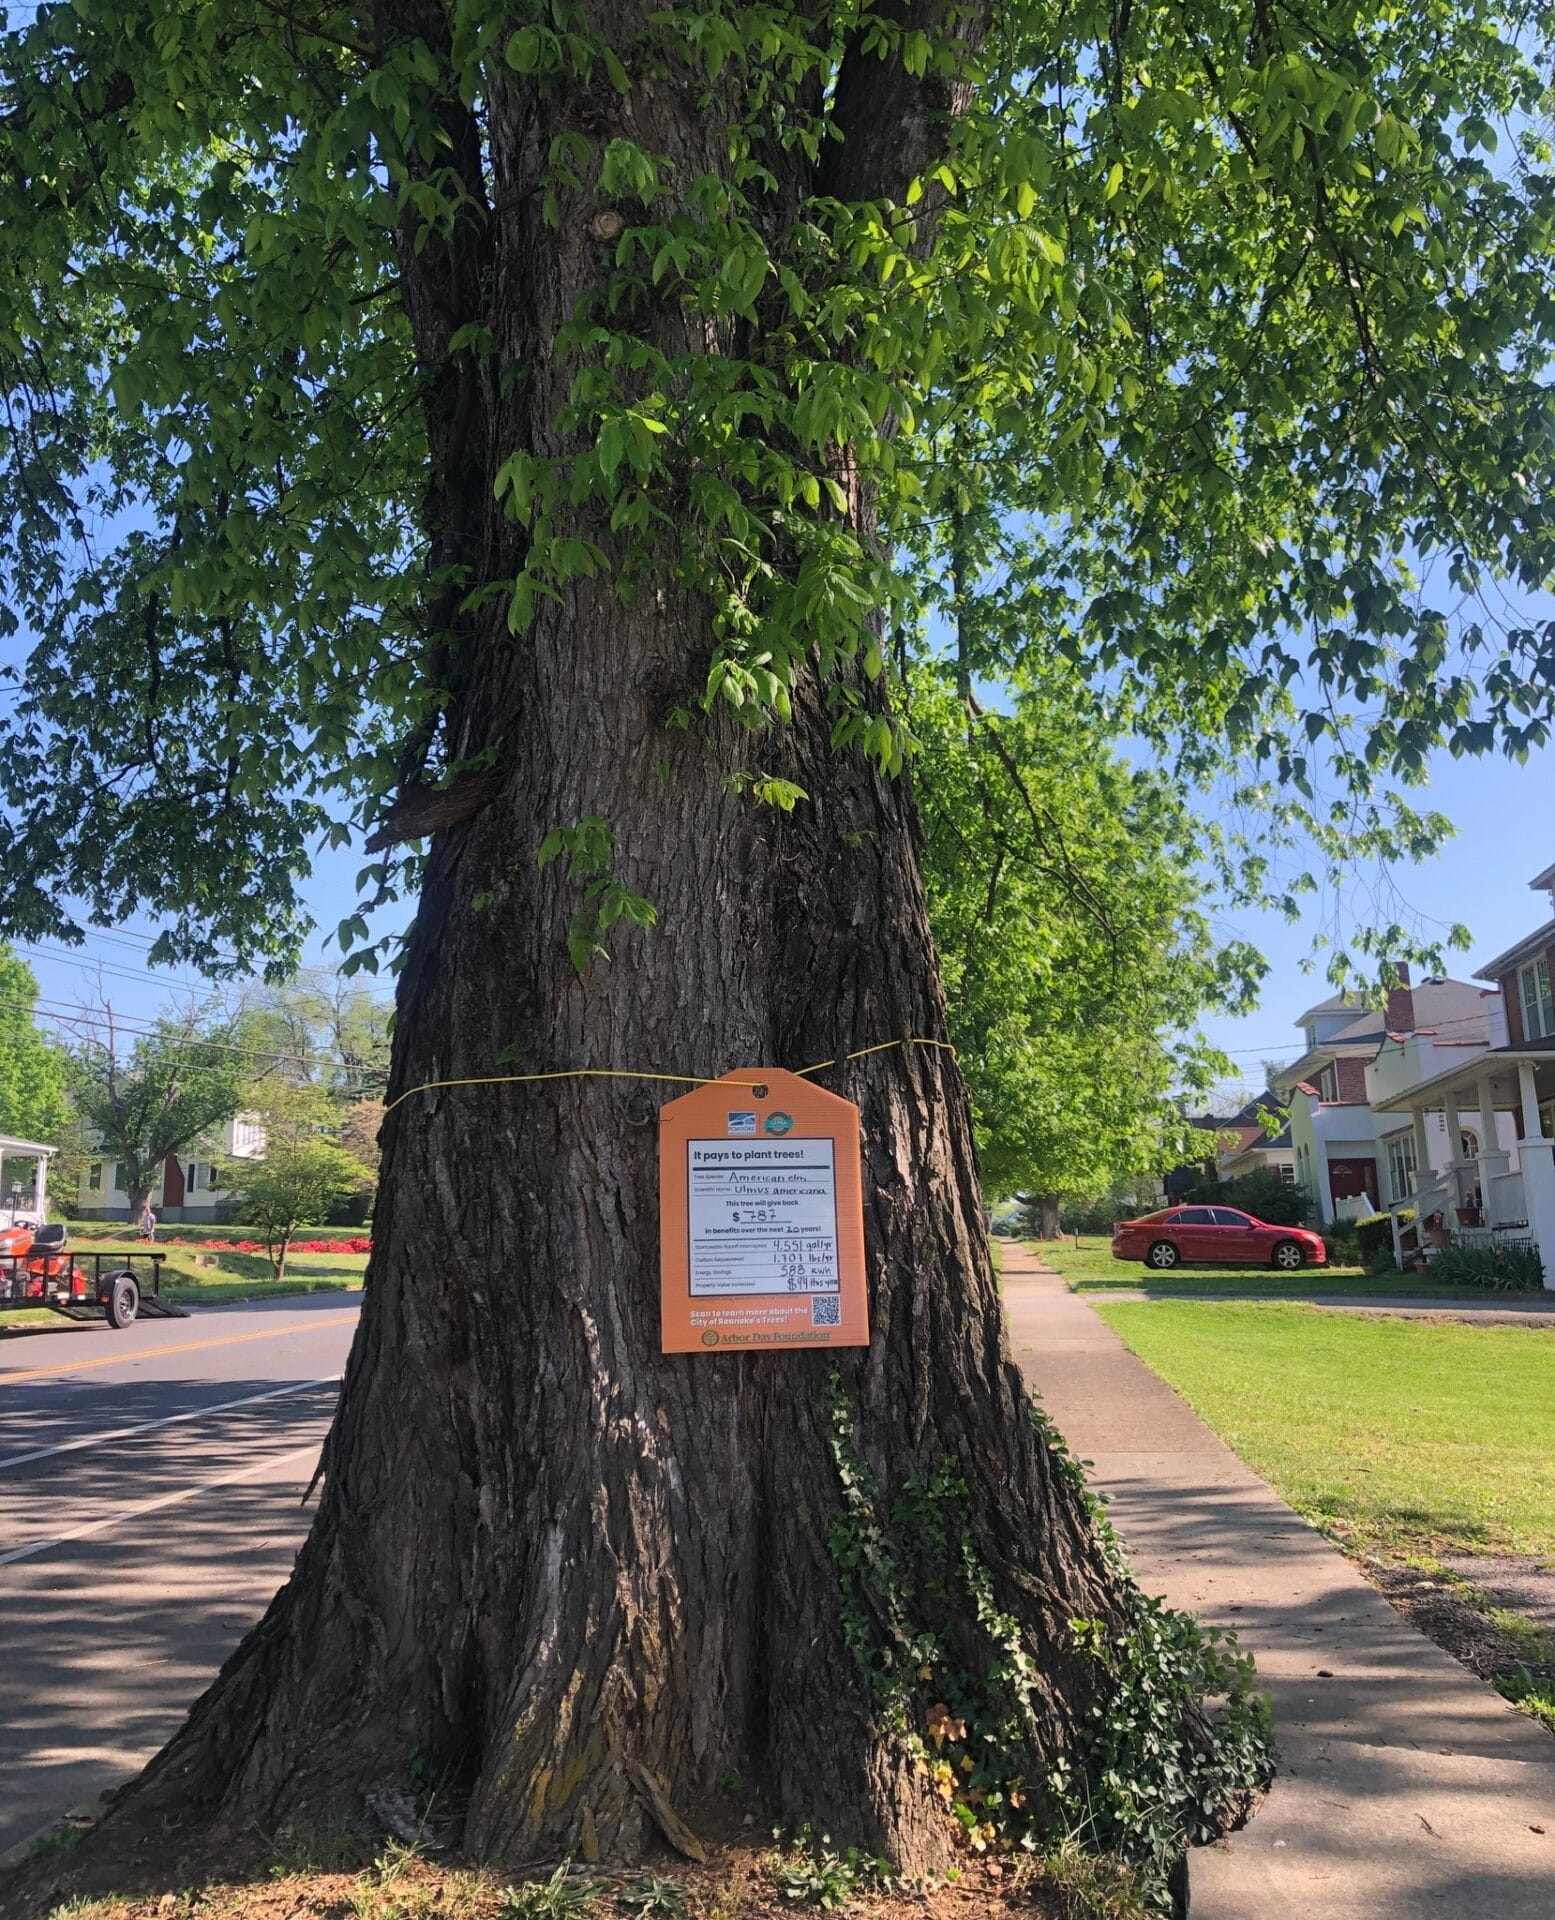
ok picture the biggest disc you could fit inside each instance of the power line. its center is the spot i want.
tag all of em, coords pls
(139, 942)
(76, 1014)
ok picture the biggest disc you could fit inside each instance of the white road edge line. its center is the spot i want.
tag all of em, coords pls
(172, 1420)
(155, 1506)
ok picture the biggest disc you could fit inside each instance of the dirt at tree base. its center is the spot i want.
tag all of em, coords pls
(739, 1881)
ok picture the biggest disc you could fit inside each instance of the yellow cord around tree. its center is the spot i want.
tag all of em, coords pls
(628, 1073)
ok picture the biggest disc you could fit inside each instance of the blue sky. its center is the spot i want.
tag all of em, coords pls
(1505, 823)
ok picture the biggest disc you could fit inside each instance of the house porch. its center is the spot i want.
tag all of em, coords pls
(1483, 1199)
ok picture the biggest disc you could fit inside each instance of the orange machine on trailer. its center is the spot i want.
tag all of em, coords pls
(38, 1270)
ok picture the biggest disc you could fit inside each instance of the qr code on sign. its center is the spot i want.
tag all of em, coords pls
(825, 1310)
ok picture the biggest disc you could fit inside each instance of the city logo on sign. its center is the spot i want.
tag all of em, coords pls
(779, 1122)
(742, 1123)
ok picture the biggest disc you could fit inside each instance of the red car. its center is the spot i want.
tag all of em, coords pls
(1193, 1236)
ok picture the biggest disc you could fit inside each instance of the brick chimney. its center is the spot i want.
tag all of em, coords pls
(1399, 1016)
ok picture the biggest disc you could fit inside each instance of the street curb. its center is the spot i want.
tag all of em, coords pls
(86, 1814)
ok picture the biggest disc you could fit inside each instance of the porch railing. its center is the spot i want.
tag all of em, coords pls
(1438, 1197)
(1505, 1203)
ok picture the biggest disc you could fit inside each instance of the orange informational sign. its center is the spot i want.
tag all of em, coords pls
(761, 1217)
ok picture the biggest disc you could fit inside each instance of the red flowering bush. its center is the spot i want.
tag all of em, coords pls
(359, 1244)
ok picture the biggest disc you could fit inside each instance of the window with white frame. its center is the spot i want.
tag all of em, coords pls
(1533, 993)
(1328, 1084)
(94, 1176)
(1401, 1165)
(1468, 1144)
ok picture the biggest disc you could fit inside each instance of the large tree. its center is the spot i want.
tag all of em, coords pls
(504, 426)
(146, 1097)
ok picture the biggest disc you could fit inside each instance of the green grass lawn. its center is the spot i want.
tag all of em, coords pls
(1398, 1435)
(1090, 1268)
(213, 1277)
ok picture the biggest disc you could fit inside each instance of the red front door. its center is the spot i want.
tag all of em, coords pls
(1353, 1180)
(172, 1182)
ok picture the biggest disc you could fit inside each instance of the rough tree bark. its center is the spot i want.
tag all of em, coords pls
(546, 1557)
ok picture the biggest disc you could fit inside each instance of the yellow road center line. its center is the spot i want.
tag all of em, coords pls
(187, 1346)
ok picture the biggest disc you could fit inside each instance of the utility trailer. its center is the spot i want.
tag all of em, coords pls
(37, 1270)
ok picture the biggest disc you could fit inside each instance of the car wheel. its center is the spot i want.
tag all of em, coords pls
(1289, 1256)
(1162, 1256)
(123, 1302)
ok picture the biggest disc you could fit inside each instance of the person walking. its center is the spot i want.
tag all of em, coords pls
(148, 1223)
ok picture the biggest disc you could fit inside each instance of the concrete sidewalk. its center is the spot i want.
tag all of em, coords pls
(1407, 1789)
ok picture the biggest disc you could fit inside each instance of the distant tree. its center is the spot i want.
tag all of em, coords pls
(324, 1028)
(34, 1070)
(172, 1086)
(1073, 936)
(359, 1133)
(302, 1173)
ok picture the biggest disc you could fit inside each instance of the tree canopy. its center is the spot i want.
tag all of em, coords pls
(173, 1086)
(34, 1069)
(1209, 353)
(1077, 955)
(319, 1026)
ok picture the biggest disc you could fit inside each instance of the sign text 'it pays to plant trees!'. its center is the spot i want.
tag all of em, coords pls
(761, 1217)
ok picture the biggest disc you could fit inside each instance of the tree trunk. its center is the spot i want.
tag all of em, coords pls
(587, 1580)
(278, 1255)
(1047, 1209)
(140, 1199)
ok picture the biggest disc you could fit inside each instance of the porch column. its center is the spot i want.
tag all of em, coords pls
(1454, 1148)
(1422, 1148)
(1536, 1156)
(1533, 1126)
(1489, 1139)
(40, 1186)
(1493, 1159)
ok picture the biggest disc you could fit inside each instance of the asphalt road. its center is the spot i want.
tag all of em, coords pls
(150, 1483)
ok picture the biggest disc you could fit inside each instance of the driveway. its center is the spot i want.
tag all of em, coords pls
(150, 1489)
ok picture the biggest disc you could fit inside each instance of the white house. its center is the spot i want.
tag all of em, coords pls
(1498, 1103)
(187, 1190)
(1355, 1150)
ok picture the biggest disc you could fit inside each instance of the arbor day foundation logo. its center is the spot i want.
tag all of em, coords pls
(710, 1337)
(779, 1122)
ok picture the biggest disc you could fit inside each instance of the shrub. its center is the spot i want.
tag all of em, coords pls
(1268, 1195)
(1343, 1244)
(1374, 1235)
(1508, 1269)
